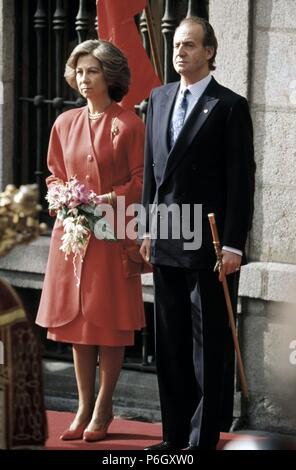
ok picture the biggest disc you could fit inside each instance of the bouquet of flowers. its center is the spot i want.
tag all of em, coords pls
(76, 206)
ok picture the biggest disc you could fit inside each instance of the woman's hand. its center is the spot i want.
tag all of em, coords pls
(52, 213)
(108, 198)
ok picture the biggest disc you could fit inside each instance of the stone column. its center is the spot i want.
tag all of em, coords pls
(270, 322)
(256, 58)
(230, 20)
(7, 32)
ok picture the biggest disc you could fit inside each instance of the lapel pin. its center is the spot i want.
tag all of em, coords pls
(205, 111)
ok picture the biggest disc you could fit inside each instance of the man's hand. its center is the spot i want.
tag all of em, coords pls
(145, 249)
(230, 263)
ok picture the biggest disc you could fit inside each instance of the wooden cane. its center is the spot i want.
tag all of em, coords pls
(153, 42)
(218, 251)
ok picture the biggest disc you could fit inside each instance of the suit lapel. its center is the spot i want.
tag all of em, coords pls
(192, 126)
(166, 109)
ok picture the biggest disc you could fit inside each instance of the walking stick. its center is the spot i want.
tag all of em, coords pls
(217, 246)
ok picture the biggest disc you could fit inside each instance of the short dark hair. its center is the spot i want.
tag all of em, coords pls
(209, 39)
(113, 62)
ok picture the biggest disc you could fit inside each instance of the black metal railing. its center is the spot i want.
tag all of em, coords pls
(47, 31)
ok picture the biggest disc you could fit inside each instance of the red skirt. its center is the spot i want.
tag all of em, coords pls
(80, 331)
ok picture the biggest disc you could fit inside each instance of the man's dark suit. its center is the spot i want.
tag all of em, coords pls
(212, 164)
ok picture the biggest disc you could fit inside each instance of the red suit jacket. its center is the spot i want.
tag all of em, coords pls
(104, 161)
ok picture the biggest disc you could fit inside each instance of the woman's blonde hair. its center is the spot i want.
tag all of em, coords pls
(114, 65)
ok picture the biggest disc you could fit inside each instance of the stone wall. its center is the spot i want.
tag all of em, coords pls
(274, 71)
(230, 19)
(256, 58)
(269, 357)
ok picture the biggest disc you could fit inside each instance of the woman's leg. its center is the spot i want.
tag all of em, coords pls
(110, 364)
(85, 362)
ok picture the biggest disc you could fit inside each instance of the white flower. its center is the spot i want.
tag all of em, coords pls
(75, 236)
(56, 196)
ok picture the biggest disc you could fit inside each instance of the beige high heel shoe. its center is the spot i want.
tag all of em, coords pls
(74, 434)
(99, 435)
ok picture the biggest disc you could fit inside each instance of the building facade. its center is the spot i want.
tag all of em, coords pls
(256, 58)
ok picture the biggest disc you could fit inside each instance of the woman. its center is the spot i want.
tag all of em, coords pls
(102, 145)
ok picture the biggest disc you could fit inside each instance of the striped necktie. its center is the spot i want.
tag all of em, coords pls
(179, 117)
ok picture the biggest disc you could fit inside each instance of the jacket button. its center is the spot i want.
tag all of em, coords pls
(153, 164)
(88, 178)
(90, 158)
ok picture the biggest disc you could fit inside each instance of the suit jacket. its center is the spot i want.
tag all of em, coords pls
(211, 163)
(103, 161)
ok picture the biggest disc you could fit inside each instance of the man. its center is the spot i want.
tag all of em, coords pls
(199, 150)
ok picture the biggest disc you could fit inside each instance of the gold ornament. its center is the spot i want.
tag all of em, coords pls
(19, 211)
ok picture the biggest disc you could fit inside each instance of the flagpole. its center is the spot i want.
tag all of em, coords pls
(153, 42)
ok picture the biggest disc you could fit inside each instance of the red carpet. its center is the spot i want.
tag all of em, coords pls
(123, 435)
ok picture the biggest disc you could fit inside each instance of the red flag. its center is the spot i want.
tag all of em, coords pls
(117, 25)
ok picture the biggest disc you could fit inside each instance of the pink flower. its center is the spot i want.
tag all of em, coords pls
(65, 199)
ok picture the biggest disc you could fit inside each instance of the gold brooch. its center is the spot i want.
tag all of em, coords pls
(114, 128)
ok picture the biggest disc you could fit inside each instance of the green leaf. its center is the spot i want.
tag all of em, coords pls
(62, 213)
(86, 208)
(91, 221)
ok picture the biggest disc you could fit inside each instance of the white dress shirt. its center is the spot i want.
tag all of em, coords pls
(195, 92)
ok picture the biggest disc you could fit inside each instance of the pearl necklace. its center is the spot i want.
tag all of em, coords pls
(96, 115)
